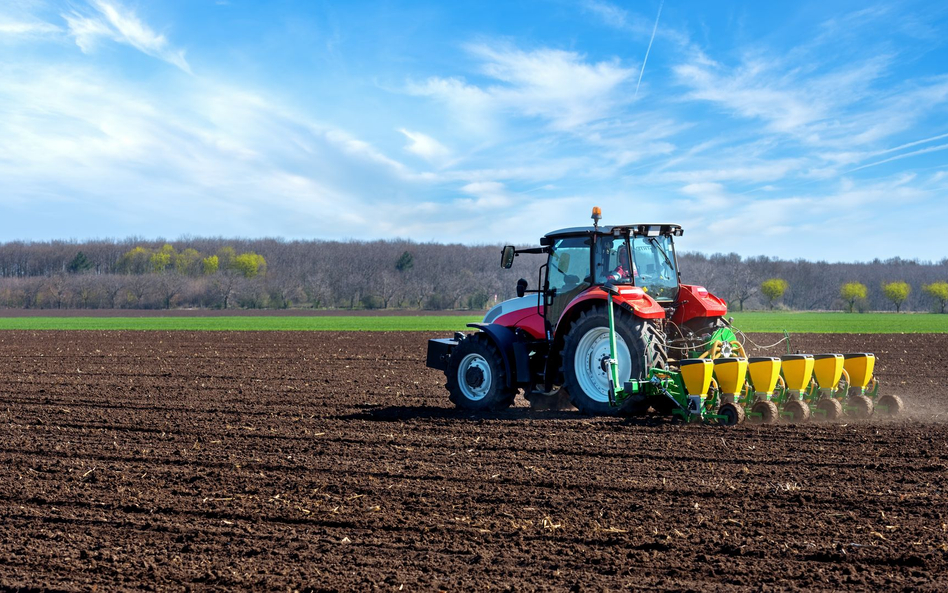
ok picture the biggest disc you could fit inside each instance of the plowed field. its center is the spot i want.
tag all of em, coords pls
(333, 461)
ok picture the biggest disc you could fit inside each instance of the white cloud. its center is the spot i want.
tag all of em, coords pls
(87, 31)
(471, 107)
(612, 15)
(557, 85)
(425, 146)
(560, 87)
(122, 26)
(750, 93)
(207, 159)
(34, 27)
(820, 224)
(488, 196)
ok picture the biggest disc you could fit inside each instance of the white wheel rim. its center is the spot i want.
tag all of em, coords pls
(591, 372)
(469, 362)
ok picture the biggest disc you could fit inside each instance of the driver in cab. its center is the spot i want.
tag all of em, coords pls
(625, 268)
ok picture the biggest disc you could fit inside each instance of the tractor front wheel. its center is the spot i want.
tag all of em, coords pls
(586, 354)
(476, 376)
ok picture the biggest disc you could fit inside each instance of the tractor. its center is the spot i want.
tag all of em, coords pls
(609, 328)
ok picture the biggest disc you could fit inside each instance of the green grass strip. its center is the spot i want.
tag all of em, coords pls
(754, 322)
(446, 323)
(842, 323)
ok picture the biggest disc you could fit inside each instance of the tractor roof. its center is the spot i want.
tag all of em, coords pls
(639, 230)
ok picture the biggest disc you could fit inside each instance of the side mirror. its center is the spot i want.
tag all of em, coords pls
(507, 257)
(521, 287)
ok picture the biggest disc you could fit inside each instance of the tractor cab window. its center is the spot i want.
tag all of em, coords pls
(568, 273)
(653, 260)
(612, 261)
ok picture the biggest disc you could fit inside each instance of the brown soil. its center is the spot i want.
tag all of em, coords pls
(333, 461)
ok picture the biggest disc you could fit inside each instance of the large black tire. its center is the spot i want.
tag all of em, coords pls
(639, 346)
(477, 379)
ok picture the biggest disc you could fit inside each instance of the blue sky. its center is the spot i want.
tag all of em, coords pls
(814, 130)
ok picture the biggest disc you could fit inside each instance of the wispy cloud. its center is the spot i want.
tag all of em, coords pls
(612, 15)
(487, 195)
(425, 146)
(198, 159)
(9, 27)
(121, 25)
(757, 89)
(558, 86)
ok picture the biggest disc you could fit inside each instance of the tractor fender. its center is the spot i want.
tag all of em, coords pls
(513, 350)
(636, 302)
(696, 301)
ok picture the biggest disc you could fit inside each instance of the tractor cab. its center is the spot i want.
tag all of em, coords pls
(583, 259)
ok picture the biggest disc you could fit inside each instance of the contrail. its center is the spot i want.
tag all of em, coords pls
(655, 28)
(902, 156)
(916, 143)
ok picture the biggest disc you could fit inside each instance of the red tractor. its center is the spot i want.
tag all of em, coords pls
(554, 341)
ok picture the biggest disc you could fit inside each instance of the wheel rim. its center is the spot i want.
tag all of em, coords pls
(472, 368)
(592, 373)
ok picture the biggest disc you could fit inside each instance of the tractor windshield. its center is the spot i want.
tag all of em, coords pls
(652, 265)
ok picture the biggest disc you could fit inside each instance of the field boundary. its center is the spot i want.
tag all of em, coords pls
(751, 323)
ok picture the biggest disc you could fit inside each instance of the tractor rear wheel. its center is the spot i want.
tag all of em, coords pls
(831, 409)
(889, 405)
(859, 406)
(798, 410)
(476, 376)
(639, 346)
(765, 412)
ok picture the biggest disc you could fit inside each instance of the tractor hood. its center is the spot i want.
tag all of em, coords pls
(525, 312)
(696, 301)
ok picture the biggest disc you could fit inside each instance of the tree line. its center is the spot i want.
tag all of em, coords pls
(276, 273)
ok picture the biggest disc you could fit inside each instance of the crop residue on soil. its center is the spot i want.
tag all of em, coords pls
(334, 461)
